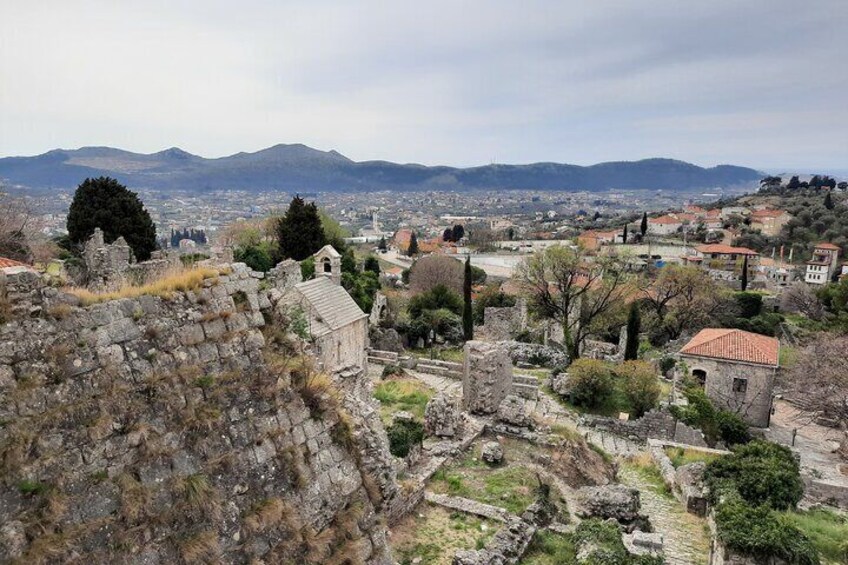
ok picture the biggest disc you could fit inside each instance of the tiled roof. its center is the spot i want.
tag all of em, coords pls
(766, 213)
(725, 249)
(663, 220)
(5, 262)
(332, 304)
(826, 246)
(734, 345)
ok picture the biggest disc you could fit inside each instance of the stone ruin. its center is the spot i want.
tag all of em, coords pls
(285, 275)
(109, 266)
(442, 416)
(504, 322)
(487, 377)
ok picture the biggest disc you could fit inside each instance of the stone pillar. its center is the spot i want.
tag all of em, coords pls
(487, 377)
(442, 417)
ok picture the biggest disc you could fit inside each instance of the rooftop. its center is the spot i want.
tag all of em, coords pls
(734, 345)
(725, 249)
(332, 304)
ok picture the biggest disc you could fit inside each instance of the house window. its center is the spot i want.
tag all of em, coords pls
(700, 376)
(740, 385)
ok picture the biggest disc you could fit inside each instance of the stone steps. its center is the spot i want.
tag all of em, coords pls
(382, 357)
(521, 379)
(441, 368)
(528, 392)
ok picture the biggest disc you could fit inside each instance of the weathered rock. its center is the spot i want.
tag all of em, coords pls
(492, 453)
(610, 501)
(511, 411)
(690, 481)
(386, 339)
(560, 384)
(579, 465)
(487, 377)
(442, 416)
(536, 354)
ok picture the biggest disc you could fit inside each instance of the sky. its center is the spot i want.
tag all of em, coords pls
(761, 83)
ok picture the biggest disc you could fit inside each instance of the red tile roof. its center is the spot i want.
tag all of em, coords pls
(725, 249)
(734, 345)
(766, 213)
(663, 220)
(4, 262)
(826, 246)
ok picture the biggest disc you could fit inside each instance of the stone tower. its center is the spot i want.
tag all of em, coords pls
(328, 263)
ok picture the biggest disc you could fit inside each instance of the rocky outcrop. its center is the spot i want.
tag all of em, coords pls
(536, 354)
(618, 502)
(162, 429)
(579, 465)
(492, 453)
(511, 412)
(386, 339)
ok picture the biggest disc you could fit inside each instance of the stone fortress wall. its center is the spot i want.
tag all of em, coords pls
(166, 429)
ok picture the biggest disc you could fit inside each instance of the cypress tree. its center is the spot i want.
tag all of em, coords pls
(382, 245)
(828, 201)
(745, 273)
(107, 204)
(299, 231)
(413, 245)
(624, 237)
(467, 313)
(634, 323)
(644, 225)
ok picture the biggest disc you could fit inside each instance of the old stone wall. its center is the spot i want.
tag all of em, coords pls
(487, 377)
(504, 323)
(166, 429)
(655, 424)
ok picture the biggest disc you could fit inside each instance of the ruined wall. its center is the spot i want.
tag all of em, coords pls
(165, 430)
(504, 323)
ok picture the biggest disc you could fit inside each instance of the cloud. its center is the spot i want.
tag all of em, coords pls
(760, 82)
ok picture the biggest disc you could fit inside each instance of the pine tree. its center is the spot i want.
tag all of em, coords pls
(413, 245)
(745, 273)
(644, 226)
(382, 245)
(828, 201)
(106, 204)
(624, 236)
(634, 323)
(467, 312)
(299, 231)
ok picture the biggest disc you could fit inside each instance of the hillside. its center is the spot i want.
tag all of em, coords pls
(298, 167)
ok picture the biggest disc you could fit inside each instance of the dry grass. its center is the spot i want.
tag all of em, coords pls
(202, 548)
(134, 497)
(59, 311)
(272, 513)
(200, 496)
(181, 280)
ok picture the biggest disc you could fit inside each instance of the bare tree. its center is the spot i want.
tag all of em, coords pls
(18, 228)
(568, 286)
(802, 299)
(434, 270)
(819, 380)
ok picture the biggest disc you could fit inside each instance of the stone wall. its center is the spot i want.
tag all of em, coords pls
(162, 430)
(487, 377)
(504, 323)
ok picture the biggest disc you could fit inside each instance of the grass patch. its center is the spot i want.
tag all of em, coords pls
(434, 534)
(680, 456)
(549, 548)
(826, 529)
(647, 470)
(511, 488)
(178, 281)
(406, 394)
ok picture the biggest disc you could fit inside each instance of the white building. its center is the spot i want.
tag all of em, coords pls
(823, 264)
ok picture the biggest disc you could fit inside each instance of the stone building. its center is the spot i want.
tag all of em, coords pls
(328, 263)
(338, 327)
(737, 370)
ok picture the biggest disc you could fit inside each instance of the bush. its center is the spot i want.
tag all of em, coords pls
(758, 531)
(667, 364)
(715, 424)
(438, 297)
(491, 296)
(750, 304)
(403, 436)
(390, 371)
(761, 472)
(640, 385)
(590, 382)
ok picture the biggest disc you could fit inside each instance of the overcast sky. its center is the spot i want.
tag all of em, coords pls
(762, 83)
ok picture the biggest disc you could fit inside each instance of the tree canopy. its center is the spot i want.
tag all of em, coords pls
(107, 204)
(300, 231)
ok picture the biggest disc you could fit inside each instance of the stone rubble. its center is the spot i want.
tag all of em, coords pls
(442, 416)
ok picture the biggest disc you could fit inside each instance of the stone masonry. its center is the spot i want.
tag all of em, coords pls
(487, 377)
(165, 429)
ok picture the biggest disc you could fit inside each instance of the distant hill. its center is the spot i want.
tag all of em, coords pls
(301, 168)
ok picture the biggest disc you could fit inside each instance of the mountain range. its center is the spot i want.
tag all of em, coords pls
(297, 167)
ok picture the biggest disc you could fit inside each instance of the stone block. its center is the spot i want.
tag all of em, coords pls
(487, 377)
(442, 417)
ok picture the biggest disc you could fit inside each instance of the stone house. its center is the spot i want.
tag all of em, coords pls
(664, 225)
(737, 370)
(769, 222)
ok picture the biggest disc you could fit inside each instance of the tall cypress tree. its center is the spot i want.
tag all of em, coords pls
(413, 245)
(828, 201)
(299, 231)
(107, 204)
(624, 236)
(745, 273)
(643, 227)
(634, 323)
(467, 313)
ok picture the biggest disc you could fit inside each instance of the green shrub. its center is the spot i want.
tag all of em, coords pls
(437, 298)
(591, 382)
(761, 472)
(758, 531)
(609, 549)
(403, 436)
(640, 385)
(667, 364)
(392, 371)
(714, 423)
